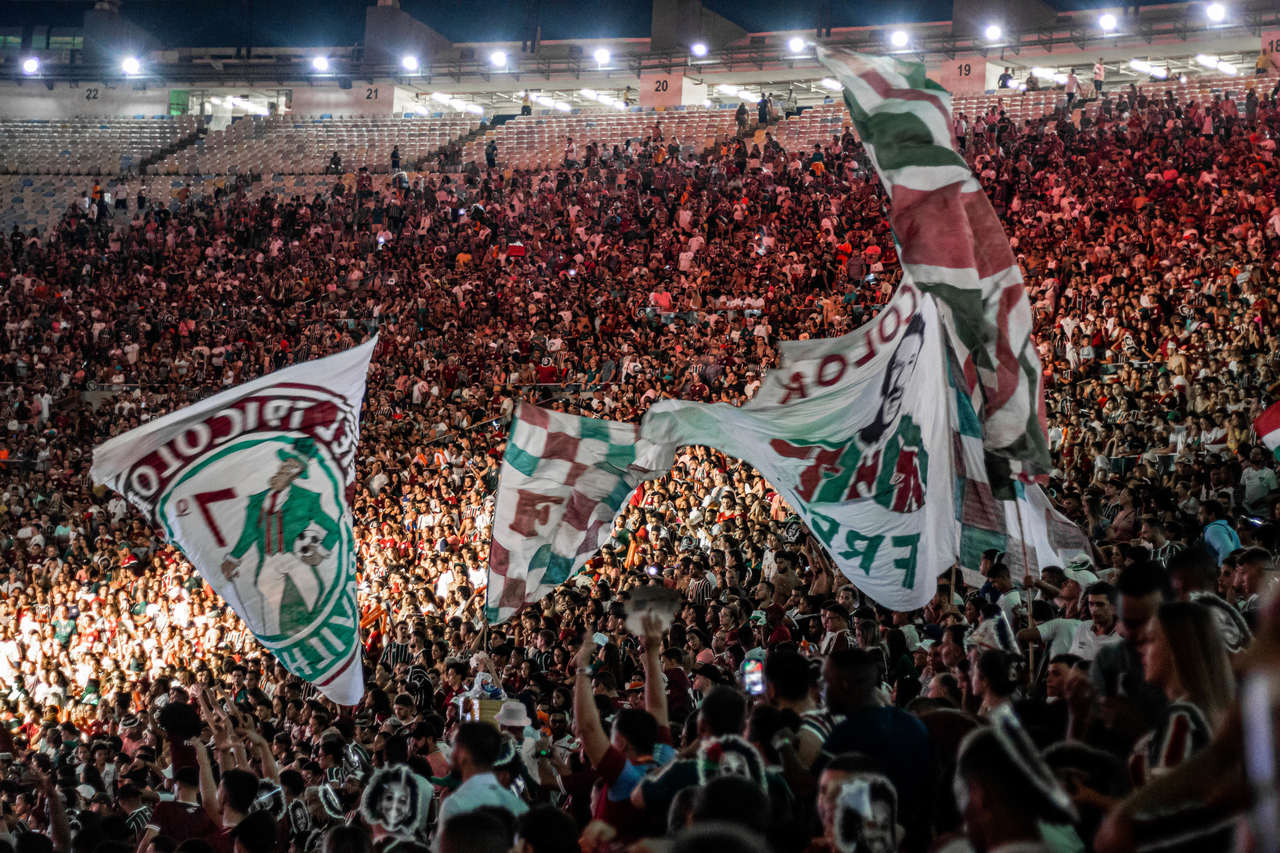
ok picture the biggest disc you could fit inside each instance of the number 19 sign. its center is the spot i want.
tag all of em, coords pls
(251, 485)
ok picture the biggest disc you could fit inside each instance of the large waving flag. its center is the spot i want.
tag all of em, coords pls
(251, 485)
(854, 432)
(953, 247)
(563, 480)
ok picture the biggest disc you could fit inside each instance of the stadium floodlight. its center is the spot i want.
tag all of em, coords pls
(130, 65)
(1206, 60)
(993, 32)
(1107, 22)
(795, 44)
(409, 62)
(1042, 73)
(1228, 69)
(698, 49)
(830, 83)
(1160, 73)
(899, 38)
(602, 55)
(727, 89)
(498, 59)
(440, 96)
(589, 93)
(1140, 66)
(30, 65)
(320, 63)
(1216, 12)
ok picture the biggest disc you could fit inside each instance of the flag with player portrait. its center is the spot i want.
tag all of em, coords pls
(251, 485)
(855, 433)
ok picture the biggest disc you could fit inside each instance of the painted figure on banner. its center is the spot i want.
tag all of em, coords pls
(885, 460)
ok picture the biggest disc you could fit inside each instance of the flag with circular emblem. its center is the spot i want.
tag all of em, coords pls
(251, 485)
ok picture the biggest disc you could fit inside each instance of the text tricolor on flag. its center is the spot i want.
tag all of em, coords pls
(251, 485)
(1267, 426)
(953, 247)
(853, 432)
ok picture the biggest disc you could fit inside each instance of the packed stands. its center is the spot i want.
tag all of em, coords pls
(1091, 707)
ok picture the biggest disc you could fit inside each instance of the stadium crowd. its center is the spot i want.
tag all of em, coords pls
(1092, 706)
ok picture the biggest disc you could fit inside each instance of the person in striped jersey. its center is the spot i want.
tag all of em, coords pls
(137, 815)
(398, 649)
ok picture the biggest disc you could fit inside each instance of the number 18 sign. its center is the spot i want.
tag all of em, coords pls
(251, 485)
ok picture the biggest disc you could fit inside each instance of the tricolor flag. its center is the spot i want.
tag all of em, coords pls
(251, 485)
(1267, 426)
(563, 480)
(952, 246)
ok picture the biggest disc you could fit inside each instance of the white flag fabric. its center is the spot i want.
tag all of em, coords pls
(563, 481)
(251, 485)
(1041, 537)
(855, 433)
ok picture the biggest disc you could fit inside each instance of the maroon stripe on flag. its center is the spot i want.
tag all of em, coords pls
(534, 415)
(334, 677)
(1008, 371)
(970, 372)
(561, 445)
(589, 544)
(499, 558)
(931, 228)
(991, 244)
(576, 470)
(884, 89)
(578, 513)
(980, 508)
(512, 593)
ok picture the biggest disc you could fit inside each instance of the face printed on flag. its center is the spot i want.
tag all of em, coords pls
(251, 485)
(854, 433)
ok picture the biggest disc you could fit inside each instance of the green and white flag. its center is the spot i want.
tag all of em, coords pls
(251, 485)
(855, 433)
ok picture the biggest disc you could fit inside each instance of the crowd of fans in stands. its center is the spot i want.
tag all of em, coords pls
(780, 709)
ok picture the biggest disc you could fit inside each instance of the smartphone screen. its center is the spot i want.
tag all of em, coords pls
(753, 677)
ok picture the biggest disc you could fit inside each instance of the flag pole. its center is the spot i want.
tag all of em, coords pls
(1026, 568)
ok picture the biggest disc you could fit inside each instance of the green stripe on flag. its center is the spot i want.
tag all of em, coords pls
(901, 139)
(520, 459)
(592, 428)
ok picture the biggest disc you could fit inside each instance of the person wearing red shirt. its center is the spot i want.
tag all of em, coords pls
(641, 740)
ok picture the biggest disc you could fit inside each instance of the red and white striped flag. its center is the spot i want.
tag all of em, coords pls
(953, 247)
(1267, 426)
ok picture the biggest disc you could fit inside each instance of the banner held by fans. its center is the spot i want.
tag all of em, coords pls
(251, 485)
(563, 480)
